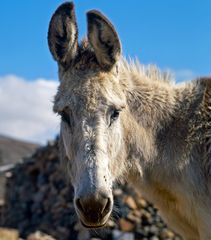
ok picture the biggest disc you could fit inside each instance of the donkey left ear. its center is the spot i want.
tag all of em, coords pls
(63, 34)
(104, 39)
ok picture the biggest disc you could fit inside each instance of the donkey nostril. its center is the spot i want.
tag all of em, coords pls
(107, 207)
(79, 205)
(103, 206)
(93, 206)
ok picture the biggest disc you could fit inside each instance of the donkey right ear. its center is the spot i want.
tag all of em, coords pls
(63, 34)
(104, 39)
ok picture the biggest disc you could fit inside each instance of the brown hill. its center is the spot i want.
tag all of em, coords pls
(13, 151)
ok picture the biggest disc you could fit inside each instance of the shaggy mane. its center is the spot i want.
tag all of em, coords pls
(148, 72)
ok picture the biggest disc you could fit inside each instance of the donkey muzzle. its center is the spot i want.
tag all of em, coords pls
(94, 210)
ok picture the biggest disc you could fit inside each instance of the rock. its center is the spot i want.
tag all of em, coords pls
(133, 218)
(140, 234)
(154, 238)
(8, 234)
(130, 202)
(146, 218)
(166, 233)
(110, 223)
(83, 232)
(141, 202)
(137, 213)
(118, 235)
(154, 229)
(39, 236)
(8, 174)
(2, 202)
(117, 192)
(146, 229)
(126, 225)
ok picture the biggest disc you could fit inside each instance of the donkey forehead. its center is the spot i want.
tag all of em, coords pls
(89, 93)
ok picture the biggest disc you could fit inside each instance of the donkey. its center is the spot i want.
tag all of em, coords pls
(120, 120)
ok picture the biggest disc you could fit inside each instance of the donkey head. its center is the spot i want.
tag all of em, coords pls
(90, 101)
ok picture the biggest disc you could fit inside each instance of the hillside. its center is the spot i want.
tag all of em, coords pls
(12, 150)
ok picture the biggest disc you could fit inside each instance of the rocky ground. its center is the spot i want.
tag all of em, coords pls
(38, 200)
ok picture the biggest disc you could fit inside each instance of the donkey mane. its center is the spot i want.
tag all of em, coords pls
(132, 67)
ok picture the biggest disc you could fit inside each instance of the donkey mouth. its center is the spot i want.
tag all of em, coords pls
(94, 225)
(90, 222)
(94, 212)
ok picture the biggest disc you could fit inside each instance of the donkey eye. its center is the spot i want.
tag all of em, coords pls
(114, 115)
(65, 117)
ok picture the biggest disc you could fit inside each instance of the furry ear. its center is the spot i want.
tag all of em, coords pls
(104, 39)
(63, 34)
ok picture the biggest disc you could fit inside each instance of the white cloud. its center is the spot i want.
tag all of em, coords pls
(26, 108)
(184, 75)
(181, 75)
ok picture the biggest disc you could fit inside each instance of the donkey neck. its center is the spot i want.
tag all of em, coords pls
(164, 116)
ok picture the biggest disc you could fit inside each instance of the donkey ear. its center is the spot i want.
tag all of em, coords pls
(104, 39)
(63, 34)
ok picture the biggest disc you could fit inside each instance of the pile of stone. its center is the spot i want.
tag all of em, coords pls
(12, 234)
(38, 198)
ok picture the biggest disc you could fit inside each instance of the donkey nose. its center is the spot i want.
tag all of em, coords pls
(94, 208)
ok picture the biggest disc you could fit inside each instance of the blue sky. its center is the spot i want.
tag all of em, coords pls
(173, 34)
